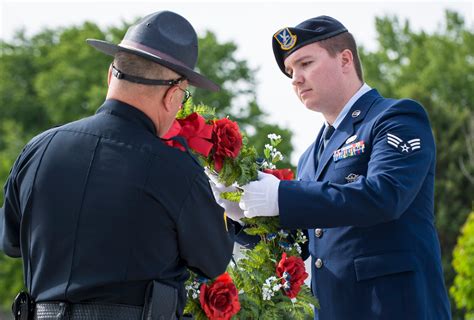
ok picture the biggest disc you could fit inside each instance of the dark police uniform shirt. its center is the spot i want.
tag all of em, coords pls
(99, 207)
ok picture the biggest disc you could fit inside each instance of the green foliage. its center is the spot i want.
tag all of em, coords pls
(255, 274)
(11, 141)
(251, 272)
(11, 272)
(261, 225)
(189, 107)
(242, 169)
(193, 305)
(463, 262)
(435, 69)
(237, 96)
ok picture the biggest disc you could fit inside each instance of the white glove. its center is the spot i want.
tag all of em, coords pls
(231, 208)
(260, 197)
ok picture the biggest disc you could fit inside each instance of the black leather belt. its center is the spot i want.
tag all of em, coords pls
(86, 311)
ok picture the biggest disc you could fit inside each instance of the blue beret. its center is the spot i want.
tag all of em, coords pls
(287, 40)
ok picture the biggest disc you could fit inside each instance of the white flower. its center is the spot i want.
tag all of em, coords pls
(270, 280)
(273, 136)
(298, 248)
(283, 233)
(267, 294)
(276, 155)
(269, 147)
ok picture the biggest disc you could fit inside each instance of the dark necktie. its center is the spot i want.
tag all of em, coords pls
(328, 131)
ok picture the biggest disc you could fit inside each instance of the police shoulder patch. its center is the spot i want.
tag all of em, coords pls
(403, 146)
(285, 38)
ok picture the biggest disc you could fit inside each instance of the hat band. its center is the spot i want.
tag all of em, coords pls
(150, 51)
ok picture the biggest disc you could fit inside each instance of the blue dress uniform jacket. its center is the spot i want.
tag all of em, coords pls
(100, 207)
(368, 206)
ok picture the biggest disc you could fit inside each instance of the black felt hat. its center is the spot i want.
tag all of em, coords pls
(287, 40)
(165, 38)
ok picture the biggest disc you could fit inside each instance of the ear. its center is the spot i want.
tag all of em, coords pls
(170, 99)
(346, 60)
(109, 75)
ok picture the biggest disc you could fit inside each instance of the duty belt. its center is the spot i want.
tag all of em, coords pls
(86, 311)
(160, 304)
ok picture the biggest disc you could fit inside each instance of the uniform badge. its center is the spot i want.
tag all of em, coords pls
(351, 139)
(351, 150)
(352, 177)
(285, 38)
(356, 113)
(403, 146)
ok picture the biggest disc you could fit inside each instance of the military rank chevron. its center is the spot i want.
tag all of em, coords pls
(402, 146)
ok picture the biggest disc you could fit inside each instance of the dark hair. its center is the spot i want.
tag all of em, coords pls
(137, 66)
(338, 44)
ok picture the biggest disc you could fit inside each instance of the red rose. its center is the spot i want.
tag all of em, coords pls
(282, 174)
(194, 130)
(294, 266)
(220, 300)
(227, 141)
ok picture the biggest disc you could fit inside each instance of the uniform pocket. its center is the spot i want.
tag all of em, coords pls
(355, 161)
(384, 264)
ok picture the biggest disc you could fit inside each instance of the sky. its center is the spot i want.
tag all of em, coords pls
(250, 24)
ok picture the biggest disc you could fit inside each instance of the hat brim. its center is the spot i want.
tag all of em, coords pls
(193, 77)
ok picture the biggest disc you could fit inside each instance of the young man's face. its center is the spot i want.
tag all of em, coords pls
(316, 77)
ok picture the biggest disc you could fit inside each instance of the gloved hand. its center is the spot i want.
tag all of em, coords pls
(231, 208)
(260, 197)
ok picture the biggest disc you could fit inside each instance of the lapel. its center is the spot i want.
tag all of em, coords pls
(308, 167)
(346, 128)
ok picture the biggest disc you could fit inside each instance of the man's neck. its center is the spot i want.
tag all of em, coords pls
(141, 103)
(332, 115)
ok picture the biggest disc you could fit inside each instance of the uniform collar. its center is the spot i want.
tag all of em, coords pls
(345, 110)
(127, 112)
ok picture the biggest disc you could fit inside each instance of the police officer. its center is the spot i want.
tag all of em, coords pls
(105, 216)
(364, 188)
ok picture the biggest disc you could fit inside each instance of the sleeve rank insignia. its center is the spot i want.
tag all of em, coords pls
(403, 146)
(285, 38)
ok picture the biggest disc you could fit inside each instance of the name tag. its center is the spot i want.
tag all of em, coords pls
(351, 150)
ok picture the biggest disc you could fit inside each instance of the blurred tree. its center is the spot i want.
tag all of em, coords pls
(463, 263)
(53, 77)
(437, 70)
(238, 94)
(11, 271)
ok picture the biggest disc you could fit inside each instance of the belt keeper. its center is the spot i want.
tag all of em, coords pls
(63, 308)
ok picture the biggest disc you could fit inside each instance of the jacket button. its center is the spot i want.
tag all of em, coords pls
(318, 263)
(318, 233)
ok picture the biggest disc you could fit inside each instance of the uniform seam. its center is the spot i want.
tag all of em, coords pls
(28, 202)
(140, 197)
(135, 146)
(180, 211)
(91, 163)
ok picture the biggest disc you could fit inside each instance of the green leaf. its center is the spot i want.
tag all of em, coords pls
(232, 196)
